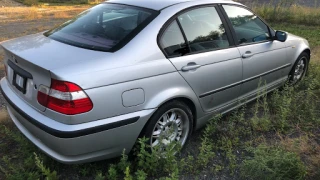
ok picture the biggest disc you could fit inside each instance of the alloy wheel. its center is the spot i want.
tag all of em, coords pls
(299, 70)
(172, 126)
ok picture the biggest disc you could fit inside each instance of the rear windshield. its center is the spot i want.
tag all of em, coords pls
(105, 27)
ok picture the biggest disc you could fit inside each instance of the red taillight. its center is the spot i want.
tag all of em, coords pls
(64, 86)
(64, 97)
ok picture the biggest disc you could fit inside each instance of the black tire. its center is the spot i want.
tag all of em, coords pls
(305, 57)
(172, 105)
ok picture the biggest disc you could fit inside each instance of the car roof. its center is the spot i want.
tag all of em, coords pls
(161, 4)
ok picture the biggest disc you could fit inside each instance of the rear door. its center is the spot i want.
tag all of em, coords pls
(263, 59)
(199, 46)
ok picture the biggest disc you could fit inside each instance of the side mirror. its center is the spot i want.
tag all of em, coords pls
(281, 36)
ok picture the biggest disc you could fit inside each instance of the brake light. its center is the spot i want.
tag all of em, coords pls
(64, 97)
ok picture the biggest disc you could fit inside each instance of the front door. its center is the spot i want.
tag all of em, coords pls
(263, 59)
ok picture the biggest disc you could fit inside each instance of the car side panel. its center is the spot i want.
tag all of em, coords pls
(217, 81)
(264, 67)
(108, 102)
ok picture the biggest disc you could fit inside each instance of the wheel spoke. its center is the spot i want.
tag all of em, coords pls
(178, 122)
(160, 125)
(156, 134)
(173, 116)
(166, 118)
(155, 143)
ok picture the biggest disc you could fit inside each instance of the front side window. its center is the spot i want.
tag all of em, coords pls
(105, 27)
(204, 29)
(248, 27)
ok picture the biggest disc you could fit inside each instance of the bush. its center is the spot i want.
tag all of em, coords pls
(273, 163)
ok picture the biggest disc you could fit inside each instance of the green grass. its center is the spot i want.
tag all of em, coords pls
(311, 33)
(273, 163)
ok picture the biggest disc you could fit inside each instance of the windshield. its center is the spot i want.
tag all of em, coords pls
(105, 27)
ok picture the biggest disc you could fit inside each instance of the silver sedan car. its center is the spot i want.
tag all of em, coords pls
(124, 69)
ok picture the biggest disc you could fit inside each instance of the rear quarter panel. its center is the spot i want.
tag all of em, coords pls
(107, 100)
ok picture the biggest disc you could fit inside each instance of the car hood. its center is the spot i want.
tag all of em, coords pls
(48, 53)
(293, 37)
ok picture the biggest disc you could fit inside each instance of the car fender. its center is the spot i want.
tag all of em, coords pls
(295, 46)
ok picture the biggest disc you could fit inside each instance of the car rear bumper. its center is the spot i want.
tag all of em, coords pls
(101, 139)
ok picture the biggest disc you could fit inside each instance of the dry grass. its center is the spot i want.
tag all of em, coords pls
(307, 148)
(62, 15)
(11, 14)
(293, 14)
(302, 145)
(3, 115)
(3, 39)
(316, 54)
(1, 59)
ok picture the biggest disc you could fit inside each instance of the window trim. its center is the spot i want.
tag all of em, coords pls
(234, 35)
(183, 36)
(175, 18)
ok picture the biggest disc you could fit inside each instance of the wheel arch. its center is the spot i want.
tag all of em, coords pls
(190, 103)
(308, 51)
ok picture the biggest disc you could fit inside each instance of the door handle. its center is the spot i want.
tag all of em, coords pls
(190, 66)
(247, 54)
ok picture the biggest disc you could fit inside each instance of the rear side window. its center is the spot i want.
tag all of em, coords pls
(248, 27)
(106, 27)
(204, 29)
(172, 41)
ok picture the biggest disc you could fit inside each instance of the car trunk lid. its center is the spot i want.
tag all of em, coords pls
(30, 60)
(25, 77)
